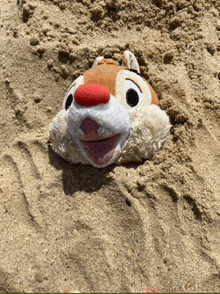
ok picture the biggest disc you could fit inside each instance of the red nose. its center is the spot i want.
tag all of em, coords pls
(91, 94)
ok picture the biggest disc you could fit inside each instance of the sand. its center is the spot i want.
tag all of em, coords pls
(143, 227)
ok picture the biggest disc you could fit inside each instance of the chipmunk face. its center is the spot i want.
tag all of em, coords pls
(101, 109)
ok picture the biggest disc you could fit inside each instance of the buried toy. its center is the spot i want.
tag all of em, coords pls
(110, 115)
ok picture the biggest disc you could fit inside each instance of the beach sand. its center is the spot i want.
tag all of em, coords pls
(140, 227)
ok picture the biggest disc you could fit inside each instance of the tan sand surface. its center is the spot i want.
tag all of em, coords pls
(150, 226)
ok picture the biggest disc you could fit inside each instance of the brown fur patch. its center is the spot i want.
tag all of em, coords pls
(155, 99)
(104, 74)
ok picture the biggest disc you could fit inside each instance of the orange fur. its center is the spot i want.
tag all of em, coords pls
(105, 74)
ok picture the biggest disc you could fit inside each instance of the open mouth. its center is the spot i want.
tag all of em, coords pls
(101, 151)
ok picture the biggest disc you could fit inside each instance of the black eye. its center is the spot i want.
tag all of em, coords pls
(133, 94)
(132, 97)
(69, 101)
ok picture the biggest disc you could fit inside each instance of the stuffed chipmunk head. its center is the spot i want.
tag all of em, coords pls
(110, 114)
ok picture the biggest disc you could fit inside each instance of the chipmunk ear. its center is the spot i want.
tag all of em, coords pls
(97, 60)
(130, 61)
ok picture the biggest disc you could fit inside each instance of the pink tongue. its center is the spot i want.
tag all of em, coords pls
(90, 129)
(101, 151)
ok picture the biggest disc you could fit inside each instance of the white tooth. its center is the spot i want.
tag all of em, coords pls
(81, 133)
(104, 132)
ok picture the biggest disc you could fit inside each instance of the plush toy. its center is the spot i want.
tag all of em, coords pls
(110, 114)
